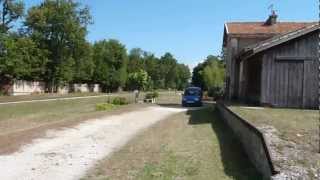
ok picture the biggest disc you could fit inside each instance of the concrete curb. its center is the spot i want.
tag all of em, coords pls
(252, 139)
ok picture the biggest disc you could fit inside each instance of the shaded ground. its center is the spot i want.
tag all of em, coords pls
(192, 145)
(293, 136)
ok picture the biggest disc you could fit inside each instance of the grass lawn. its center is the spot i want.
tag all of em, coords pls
(165, 96)
(192, 145)
(23, 122)
(295, 145)
(44, 96)
(299, 126)
(28, 115)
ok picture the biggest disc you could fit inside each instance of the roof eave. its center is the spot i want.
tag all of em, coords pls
(252, 50)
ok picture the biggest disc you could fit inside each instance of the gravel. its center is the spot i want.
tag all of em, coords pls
(291, 159)
(68, 153)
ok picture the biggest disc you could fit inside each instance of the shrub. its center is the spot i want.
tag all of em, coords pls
(120, 101)
(216, 92)
(152, 95)
(104, 106)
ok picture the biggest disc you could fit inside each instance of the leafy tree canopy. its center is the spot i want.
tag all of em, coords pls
(209, 74)
(111, 59)
(21, 59)
(59, 26)
(138, 80)
(11, 10)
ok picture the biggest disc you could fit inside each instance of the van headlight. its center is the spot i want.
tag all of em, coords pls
(196, 99)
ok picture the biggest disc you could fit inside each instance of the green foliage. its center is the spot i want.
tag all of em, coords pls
(216, 92)
(51, 46)
(136, 61)
(59, 27)
(168, 69)
(120, 101)
(213, 74)
(110, 59)
(164, 72)
(104, 106)
(84, 65)
(182, 77)
(138, 80)
(11, 11)
(210, 76)
(21, 58)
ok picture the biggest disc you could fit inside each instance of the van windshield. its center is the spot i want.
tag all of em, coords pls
(192, 92)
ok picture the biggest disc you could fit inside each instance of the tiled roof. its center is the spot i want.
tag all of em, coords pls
(276, 40)
(259, 28)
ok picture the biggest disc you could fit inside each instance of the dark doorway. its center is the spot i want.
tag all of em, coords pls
(289, 84)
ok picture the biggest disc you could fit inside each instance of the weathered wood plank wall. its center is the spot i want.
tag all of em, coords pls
(289, 73)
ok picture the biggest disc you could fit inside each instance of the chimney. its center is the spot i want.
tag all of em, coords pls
(272, 19)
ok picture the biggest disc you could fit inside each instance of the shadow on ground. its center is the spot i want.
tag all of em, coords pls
(179, 106)
(235, 161)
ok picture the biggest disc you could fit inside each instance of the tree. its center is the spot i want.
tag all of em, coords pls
(11, 11)
(151, 66)
(213, 75)
(59, 26)
(111, 60)
(138, 80)
(183, 76)
(209, 75)
(135, 62)
(21, 59)
(168, 70)
(84, 64)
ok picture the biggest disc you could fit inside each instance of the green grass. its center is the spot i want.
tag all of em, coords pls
(49, 111)
(105, 106)
(44, 96)
(28, 115)
(22, 116)
(171, 167)
(297, 125)
(191, 146)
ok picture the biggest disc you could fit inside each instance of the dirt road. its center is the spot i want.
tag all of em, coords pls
(67, 154)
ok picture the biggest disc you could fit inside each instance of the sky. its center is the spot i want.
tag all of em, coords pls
(189, 29)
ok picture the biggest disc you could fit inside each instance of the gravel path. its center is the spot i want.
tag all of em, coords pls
(67, 154)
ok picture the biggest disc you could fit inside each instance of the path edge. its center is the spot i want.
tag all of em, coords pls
(252, 140)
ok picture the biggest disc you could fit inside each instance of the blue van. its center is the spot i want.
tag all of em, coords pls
(192, 97)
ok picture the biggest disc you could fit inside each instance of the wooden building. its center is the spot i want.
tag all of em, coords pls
(272, 63)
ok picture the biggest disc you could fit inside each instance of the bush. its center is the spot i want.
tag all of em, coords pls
(119, 101)
(216, 92)
(152, 95)
(104, 106)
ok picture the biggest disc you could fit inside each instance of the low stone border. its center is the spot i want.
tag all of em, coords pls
(252, 140)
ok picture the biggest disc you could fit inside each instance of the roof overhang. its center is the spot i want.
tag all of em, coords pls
(250, 51)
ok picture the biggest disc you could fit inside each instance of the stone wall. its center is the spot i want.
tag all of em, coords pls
(21, 87)
(86, 88)
(63, 89)
(252, 140)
